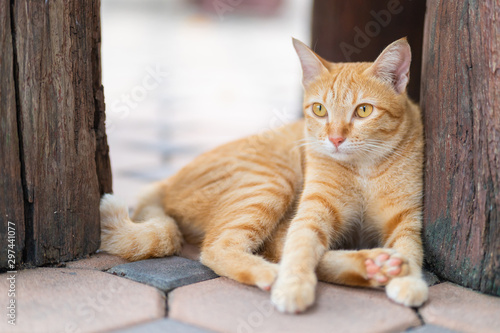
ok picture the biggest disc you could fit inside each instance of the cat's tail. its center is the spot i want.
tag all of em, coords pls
(155, 235)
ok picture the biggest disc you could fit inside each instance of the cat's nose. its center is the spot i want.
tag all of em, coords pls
(337, 140)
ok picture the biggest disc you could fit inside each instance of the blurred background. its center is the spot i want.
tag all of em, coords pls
(183, 76)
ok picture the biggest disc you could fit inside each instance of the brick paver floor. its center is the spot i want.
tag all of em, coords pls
(90, 296)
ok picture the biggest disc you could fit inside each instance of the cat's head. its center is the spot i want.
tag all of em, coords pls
(354, 111)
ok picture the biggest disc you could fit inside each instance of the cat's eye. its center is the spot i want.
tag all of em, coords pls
(319, 109)
(364, 110)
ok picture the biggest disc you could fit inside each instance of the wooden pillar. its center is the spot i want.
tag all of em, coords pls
(358, 30)
(11, 191)
(461, 103)
(52, 115)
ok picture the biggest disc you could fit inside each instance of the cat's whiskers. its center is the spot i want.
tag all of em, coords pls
(385, 146)
(385, 151)
(307, 141)
(308, 138)
(376, 151)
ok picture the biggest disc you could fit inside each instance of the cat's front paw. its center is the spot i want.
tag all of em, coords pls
(408, 290)
(293, 293)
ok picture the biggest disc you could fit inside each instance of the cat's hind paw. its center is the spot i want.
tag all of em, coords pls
(409, 291)
(266, 277)
(384, 265)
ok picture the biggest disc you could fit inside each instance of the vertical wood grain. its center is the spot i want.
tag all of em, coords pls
(63, 161)
(11, 191)
(459, 97)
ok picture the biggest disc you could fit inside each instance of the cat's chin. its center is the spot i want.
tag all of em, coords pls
(349, 157)
(342, 156)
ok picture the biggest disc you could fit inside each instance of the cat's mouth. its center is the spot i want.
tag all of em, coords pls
(341, 152)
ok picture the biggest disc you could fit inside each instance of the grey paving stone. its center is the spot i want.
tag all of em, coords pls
(163, 326)
(165, 273)
(431, 329)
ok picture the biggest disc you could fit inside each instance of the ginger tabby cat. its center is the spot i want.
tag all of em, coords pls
(336, 196)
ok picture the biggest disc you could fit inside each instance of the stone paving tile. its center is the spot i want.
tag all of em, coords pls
(163, 326)
(98, 261)
(53, 300)
(461, 309)
(431, 329)
(165, 273)
(223, 305)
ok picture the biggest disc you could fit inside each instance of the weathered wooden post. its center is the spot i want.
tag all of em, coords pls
(358, 30)
(54, 155)
(11, 191)
(460, 97)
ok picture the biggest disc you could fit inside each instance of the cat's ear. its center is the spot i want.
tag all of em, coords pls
(393, 65)
(312, 64)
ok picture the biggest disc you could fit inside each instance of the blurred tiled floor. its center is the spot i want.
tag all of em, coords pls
(179, 81)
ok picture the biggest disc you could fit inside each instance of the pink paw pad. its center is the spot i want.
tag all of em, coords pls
(383, 268)
(395, 262)
(394, 271)
(371, 267)
(382, 257)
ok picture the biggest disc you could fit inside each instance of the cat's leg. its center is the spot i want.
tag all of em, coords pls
(230, 253)
(243, 225)
(272, 249)
(362, 268)
(397, 266)
(405, 238)
(316, 223)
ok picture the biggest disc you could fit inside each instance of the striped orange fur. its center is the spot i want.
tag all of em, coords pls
(336, 196)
